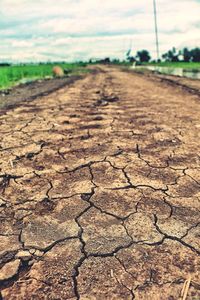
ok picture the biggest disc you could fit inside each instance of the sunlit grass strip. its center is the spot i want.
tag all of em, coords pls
(10, 75)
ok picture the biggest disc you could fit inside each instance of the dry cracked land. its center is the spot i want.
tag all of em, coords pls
(100, 191)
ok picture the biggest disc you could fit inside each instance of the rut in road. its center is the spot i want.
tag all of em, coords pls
(100, 191)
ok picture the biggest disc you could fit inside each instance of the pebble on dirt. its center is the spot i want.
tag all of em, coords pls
(9, 270)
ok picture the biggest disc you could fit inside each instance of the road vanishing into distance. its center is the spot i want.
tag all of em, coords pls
(100, 191)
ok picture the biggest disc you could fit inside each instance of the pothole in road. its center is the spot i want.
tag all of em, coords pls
(98, 118)
(94, 126)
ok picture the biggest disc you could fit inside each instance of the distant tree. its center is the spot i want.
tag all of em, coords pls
(195, 53)
(171, 55)
(106, 60)
(165, 56)
(186, 55)
(143, 56)
(4, 64)
(131, 59)
(115, 61)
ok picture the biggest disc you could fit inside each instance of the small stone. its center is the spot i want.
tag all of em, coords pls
(32, 251)
(38, 253)
(24, 255)
(9, 270)
(62, 280)
(2, 203)
(31, 262)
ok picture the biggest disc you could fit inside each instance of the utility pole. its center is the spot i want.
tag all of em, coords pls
(156, 29)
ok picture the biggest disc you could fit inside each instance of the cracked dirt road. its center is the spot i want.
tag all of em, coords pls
(100, 191)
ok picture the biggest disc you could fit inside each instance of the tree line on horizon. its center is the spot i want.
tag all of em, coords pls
(173, 55)
(142, 56)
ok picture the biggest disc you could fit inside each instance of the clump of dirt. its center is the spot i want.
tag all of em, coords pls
(58, 71)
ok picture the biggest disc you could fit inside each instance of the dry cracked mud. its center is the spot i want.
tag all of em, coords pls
(100, 191)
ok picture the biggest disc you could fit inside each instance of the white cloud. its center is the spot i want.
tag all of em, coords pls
(79, 29)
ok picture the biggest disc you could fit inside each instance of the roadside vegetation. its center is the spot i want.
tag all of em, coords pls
(14, 74)
(185, 65)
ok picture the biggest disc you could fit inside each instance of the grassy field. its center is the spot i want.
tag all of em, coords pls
(184, 65)
(11, 75)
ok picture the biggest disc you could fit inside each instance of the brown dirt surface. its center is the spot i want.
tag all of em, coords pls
(100, 191)
(188, 84)
(9, 98)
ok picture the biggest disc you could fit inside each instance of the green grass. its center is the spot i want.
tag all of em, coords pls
(184, 65)
(12, 75)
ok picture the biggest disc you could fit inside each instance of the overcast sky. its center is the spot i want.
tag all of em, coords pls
(41, 30)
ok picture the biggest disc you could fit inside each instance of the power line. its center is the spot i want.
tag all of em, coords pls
(156, 29)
